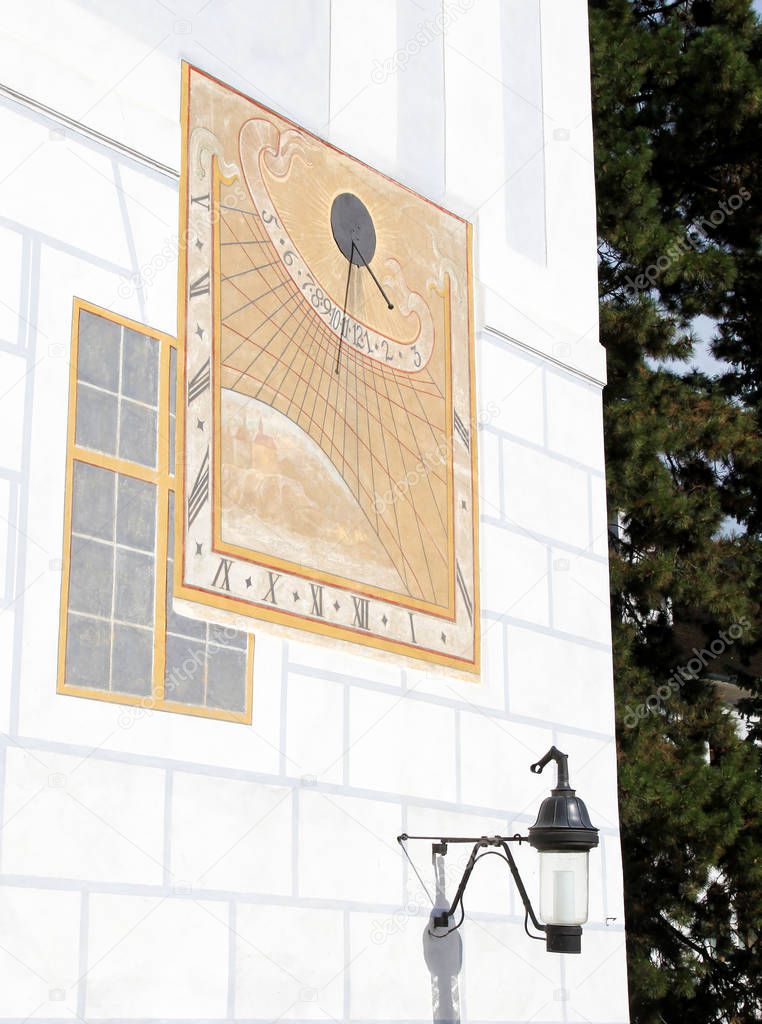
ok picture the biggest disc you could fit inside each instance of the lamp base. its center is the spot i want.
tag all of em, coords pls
(563, 938)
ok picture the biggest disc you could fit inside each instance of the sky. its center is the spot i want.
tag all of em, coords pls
(702, 358)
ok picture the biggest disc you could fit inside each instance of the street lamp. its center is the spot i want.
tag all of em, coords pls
(563, 835)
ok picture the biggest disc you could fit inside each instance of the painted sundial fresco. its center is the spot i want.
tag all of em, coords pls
(327, 452)
(327, 462)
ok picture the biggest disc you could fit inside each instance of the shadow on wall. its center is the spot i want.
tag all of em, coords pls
(444, 958)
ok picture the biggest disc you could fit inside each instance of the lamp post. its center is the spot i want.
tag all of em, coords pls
(563, 835)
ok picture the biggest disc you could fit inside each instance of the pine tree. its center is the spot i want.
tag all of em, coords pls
(677, 96)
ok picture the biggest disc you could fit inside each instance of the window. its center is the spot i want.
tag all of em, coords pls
(121, 637)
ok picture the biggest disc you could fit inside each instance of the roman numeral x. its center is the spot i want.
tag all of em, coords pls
(317, 599)
(270, 595)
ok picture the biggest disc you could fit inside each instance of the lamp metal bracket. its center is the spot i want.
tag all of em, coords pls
(440, 844)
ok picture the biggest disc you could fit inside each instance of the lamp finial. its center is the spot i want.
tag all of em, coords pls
(562, 763)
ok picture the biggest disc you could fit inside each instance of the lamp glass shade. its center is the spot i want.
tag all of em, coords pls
(564, 886)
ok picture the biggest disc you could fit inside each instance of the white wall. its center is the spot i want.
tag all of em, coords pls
(155, 865)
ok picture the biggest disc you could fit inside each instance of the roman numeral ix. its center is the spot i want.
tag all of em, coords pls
(223, 574)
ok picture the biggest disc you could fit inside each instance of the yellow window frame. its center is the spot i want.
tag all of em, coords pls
(164, 481)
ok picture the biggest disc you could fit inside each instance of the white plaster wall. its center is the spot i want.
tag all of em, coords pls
(157, 866)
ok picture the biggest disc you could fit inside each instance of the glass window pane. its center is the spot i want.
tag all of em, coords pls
(96, 420)
(136, 513)
(134, 587)
(132, 660)
(99, 343)
(91, 577)
(226, 678)
(140, 367)
(137, 433)
(92, 510)
(88, 652)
